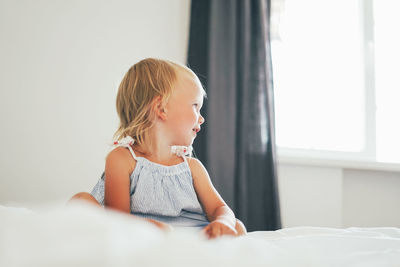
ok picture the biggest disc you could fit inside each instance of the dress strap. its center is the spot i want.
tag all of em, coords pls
(127, 142)
(182, 151)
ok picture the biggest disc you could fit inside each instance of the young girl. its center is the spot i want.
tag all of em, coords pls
(150, 172)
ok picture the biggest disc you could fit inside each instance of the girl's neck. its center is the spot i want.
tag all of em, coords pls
(157, 151)
(158, 157)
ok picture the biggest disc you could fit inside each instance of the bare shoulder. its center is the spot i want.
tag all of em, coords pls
(120, 158)
(197, 168)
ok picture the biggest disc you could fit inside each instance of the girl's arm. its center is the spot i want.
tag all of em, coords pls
(117, 182)
(221, 217)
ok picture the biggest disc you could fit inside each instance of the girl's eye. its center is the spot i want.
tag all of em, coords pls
(197, 106)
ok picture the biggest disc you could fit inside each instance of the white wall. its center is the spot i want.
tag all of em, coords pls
(371, 198)
(61, 63)
(334, 196)
(310, 196)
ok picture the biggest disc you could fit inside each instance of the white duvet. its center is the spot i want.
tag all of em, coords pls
(81, 235)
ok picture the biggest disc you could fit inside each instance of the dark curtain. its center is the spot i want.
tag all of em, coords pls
(229, 49)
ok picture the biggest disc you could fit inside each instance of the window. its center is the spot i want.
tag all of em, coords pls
(387, 60)
(335, 78)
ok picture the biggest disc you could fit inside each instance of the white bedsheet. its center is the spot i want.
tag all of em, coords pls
(81, 235)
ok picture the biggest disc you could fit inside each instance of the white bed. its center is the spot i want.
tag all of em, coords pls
(81, 235)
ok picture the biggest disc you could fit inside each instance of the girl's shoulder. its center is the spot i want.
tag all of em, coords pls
(196, 167)
(120, 157)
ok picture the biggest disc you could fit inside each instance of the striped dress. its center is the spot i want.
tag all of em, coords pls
(159, 192)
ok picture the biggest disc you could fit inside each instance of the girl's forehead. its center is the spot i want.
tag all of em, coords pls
(188, 85)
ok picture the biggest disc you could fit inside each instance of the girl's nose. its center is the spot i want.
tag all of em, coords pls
(201, 120)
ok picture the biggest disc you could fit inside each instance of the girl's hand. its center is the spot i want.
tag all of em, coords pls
(218, 228)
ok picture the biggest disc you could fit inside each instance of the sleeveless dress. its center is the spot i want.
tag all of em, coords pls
(159, 192)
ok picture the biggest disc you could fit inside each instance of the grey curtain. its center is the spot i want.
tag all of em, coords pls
(229, 49)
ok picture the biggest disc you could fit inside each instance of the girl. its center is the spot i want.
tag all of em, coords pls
(150, 173)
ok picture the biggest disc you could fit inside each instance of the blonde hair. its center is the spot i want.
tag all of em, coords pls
(143, 82)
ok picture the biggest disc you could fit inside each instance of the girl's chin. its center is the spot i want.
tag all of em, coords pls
(185, 143)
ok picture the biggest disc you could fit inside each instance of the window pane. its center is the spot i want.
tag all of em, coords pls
(387, 58)
(318, 75)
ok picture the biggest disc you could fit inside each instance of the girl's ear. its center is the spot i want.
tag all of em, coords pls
(158, 108)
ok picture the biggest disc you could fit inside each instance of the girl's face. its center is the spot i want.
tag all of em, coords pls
(183, 118)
